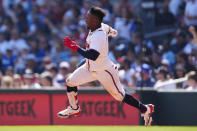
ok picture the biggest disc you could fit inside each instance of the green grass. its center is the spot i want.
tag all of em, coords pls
(97, 128)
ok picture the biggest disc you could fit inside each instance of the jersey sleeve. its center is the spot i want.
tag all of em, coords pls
(105, 28)
(98, 42)
(109, 30)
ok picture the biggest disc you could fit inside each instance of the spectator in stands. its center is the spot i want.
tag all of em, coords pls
(179, 73)
(142, 48)
(174, 6)
(126, 74)
(43, 44)
(7, 25)
(163, 14)
(163, 80)
(138, 42)
(1, 76)
(7, 82)
(8, 59)
(52, 68)
(32, 34)
(190, 12)
(63, 72)
(183, 59)
(9, 71)
(17, 81)
(19, 16)
(156, 60)
(168, 54)
(31, 62)
(21, 61)
(67, 25)
(29, 80)
(192, 82)
(37, 80)
(3, 44)
(46, 79)
(58, 53)
(17, 43)
(123, 24)
(38, 52)
(191, 46)
(179, 42)
(146, 80)
(46, 61)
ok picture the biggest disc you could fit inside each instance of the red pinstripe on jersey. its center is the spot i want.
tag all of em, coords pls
(88, 65)
(114, 82)
(88, 47)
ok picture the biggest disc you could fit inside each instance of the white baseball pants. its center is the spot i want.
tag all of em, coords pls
(109, 78)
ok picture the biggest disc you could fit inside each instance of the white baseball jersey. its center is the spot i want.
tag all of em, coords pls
(102, 69)
(109, 30)
(98, 40)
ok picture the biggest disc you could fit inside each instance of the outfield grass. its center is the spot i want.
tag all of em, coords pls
(97, 128)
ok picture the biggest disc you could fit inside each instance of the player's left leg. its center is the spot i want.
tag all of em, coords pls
(80, 76)
(110, 80)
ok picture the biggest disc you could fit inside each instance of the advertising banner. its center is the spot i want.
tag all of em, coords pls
(42, 109)
(24, 109)
(96, 109)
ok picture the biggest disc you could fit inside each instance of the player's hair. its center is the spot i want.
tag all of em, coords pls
(98, 12)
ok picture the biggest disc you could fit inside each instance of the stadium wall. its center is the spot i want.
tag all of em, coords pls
(39, 107)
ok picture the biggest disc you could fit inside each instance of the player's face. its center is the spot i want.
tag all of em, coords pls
(90, 20)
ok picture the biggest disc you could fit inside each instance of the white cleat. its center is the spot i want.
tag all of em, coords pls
(148, 115)
(69, 111)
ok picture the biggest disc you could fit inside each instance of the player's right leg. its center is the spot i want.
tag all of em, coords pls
(80, 76)
(110, 80)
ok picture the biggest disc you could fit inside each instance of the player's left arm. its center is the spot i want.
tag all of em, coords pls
(91, 54)
(109, 30)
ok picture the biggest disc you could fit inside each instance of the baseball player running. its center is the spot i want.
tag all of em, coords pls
(99, 67)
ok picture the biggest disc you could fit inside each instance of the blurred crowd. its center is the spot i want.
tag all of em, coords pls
(32, 54)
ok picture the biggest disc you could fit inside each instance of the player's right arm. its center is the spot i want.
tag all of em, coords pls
(91, 54)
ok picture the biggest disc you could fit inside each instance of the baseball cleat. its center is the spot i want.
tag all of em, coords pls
(69, 111)
(148, 114)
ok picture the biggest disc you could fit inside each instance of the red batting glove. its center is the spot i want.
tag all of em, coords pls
(70, 44)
